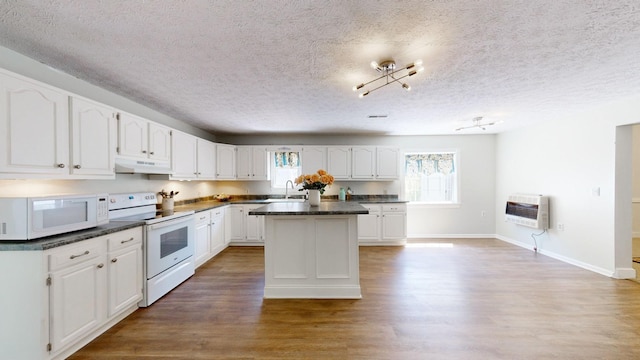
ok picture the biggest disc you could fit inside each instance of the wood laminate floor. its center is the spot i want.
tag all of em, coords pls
(448, 299)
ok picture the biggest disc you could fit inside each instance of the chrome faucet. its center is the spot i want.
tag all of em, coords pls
(286, 188)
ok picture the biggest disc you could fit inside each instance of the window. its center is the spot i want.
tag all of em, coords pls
(285, 165)
(431, 177)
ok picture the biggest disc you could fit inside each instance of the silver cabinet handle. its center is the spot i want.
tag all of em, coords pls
(76, 256)
(100, 266)
(150, 152)
(126, 241)
(61, 166)
(114, 260)
(77, 166)
(144, 151)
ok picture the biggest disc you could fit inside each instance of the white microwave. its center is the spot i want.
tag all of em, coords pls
(28, 218)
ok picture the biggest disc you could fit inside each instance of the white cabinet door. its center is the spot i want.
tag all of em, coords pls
(339, 162)
(77, 301)
(184, 156)
(314, 158)
(244, 158)
(206, 160)
(93, 140)
(132, 136)
(225, 162)
(125, 278)
(125, 270)
(259, 163)
(159, 142)
(217, 230)
(394, 221)
(369, 224)
(363, 162)
(252, 163)
(394, 226)
(202, 237)
(387, 163)
(237, 222)
(255, 225)
(34, 128)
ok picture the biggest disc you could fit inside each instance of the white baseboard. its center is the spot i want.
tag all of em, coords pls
(562, 258)
(625, 273)
(451, 236)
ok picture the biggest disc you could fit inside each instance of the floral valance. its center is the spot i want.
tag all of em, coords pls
(429, 164)
(287, 159)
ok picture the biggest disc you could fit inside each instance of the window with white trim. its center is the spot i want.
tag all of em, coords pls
(285, 165)
(431, 177)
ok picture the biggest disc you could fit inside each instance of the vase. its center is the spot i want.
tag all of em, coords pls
(167, 205)
(314, 197)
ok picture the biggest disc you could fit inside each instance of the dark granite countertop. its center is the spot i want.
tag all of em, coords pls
(303, 208)
(328, 206)
(51, 242)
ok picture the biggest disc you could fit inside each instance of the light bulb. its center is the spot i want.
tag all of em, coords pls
(358, 87)
(417, 63)
(406, 87)
(363, 94)
(374, 65)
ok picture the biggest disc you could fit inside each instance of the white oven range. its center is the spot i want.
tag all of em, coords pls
(168, 245)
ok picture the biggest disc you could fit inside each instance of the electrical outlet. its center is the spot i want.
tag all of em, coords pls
(561, 227)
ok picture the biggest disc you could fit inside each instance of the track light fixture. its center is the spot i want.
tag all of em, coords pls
(389, 75)
(477, 123)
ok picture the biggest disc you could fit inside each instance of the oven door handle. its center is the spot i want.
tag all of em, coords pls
(164, 224)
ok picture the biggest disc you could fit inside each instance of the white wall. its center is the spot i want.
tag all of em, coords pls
(567, 159)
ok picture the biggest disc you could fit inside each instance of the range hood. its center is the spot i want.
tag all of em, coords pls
(131, 166)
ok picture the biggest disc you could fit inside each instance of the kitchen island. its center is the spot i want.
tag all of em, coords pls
(311, 251)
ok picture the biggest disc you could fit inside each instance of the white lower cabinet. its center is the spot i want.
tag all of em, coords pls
(78, 294)
(246, 229)
(202, 238)
(93, 285)
(209, 234)
(384, 225)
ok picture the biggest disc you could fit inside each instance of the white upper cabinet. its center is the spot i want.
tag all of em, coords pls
(363, 162)
(314, 158)
(34, 125)
(206, 160)
(225, 162)
(93, 140)
(143, 139)
(184, 156)
(387, 163)
(252, 163)
(339, 162)
(159, 142)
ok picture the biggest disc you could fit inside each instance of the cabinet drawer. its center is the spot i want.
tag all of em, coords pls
(122, 239)
(217, 212)
(394, 208)
(373, 208)
(203, 217)
(70, 255)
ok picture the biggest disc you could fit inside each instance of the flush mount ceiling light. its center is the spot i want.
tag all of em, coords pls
(477, 123)
(389, 76)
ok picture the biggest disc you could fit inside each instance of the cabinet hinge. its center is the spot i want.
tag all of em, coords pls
(118, 149)
(49, 347)
(49, 281)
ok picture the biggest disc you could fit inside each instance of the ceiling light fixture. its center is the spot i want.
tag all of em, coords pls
(477, 123)
(390, 75)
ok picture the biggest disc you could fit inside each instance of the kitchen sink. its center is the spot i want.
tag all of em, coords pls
(284, 200)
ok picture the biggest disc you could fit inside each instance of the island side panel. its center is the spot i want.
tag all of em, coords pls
(314, 256)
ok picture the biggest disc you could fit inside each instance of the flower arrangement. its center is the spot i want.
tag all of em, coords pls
(317, 181)
(166, 195)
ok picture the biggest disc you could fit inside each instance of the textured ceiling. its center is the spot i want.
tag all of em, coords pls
(267, 66)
